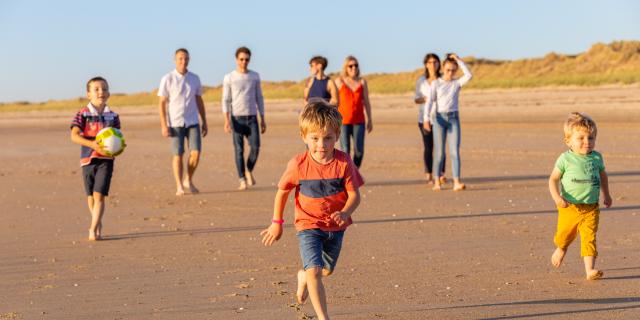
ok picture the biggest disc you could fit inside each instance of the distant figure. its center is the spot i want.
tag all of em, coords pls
(97, 168)
(181, 102)
(424, 86)
(441, 110)
(242, 101)
(320, 85)
(326, 184)
(580, 173)
(354, 105)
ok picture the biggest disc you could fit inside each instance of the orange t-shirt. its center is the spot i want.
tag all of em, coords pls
(351, 104)
(321, 189)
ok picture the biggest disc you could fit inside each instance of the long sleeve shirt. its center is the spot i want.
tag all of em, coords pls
(444, 95)
(241, 94)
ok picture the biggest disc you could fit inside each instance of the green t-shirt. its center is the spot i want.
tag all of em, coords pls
(580, 180)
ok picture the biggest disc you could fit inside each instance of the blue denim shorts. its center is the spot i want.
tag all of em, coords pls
(320, 248)
(178, 134)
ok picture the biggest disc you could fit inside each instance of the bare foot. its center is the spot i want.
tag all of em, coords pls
(557, 256)
(594, 274)
(250, 179)
(188, 185)
(436, 187)
(243, 185)
(429, 178)
(180, 192)
(302, 293)
(443, 179)
(92, 236)
(459, 187)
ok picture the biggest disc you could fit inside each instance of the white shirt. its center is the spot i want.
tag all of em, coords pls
(445, 93)
(423, 90)
(181, 90)
(241, 94)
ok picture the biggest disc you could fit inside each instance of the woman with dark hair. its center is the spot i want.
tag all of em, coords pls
(424, 86)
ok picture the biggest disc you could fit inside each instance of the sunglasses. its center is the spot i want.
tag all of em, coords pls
(243, 59)
(353, 65)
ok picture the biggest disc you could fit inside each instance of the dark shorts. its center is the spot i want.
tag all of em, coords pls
(97, 176)
(178, 134)
(320, 248)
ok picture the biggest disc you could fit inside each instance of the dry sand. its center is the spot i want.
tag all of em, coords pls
(412, 253)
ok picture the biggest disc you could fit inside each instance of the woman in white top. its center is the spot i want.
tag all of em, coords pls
(423, 93)
(441, 111)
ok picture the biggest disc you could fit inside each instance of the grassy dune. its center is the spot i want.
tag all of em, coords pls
(614, 63)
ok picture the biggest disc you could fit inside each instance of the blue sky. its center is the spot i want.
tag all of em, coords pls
(50, 48)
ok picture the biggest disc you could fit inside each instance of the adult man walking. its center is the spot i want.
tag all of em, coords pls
(181, 102)
(242, 101)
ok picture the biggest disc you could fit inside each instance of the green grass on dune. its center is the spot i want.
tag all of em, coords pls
(602, 64)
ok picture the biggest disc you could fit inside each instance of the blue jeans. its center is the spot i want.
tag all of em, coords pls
(320, 248)
(178, 134)
(245, 126)
(357, 132)
(446, 125)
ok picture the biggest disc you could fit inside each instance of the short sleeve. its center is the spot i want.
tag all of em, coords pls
(289, 179)
(78, 121)
(601, 162)
(352, 178)
(199, 87)
(163, 91)
(561, 163)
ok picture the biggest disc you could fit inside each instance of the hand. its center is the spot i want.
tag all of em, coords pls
(340, 217)
(96, 147)
(453, 55)
(369, 126)
(227, 127)
(263, 127)
(205, 130)
(607, 201)
(165, 132)
(561, 203)
(271, 234)
(420, 101)
(427, 126)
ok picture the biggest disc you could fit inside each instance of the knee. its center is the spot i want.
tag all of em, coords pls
(326, 272)
(314, 273)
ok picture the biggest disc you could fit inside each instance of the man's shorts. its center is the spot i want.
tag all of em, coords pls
(320, 248)
(178, 134)
(97, 176)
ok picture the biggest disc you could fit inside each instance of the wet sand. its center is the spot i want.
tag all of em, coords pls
(411, 254)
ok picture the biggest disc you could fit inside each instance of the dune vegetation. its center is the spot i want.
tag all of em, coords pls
(603, 64)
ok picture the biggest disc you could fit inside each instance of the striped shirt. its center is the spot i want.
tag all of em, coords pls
(90, 122)
(445, 93)
(241, 94)
(320, 189)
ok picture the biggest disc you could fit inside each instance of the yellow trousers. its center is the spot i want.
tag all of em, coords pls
(582, 218)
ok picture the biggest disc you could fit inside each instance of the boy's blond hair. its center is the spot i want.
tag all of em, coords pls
(576, 121)
(319, 115)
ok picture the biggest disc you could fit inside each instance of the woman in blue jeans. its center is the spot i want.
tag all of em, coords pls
(441, 115)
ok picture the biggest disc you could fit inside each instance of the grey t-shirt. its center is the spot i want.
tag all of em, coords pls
(241, 94)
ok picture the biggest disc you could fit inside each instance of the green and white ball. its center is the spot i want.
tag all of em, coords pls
(111, 140)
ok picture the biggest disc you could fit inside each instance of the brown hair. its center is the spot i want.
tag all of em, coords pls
(345, 65)
(183, 50)
(320, 60)
(243, 50)
(576, 121)
(424, 62)
(320, 115)
(95, 79)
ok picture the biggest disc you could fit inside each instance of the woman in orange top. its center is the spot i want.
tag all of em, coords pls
(353, 105)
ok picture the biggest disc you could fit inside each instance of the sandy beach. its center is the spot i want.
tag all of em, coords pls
(412, 253)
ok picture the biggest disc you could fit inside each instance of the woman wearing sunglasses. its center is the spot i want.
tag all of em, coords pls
(355, 109)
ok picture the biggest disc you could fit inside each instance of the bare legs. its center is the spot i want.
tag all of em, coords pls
(310, 285)
(589, 264)
(96, 208)
(185, 182)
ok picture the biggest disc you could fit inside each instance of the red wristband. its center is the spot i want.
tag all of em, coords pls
(281, 221)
